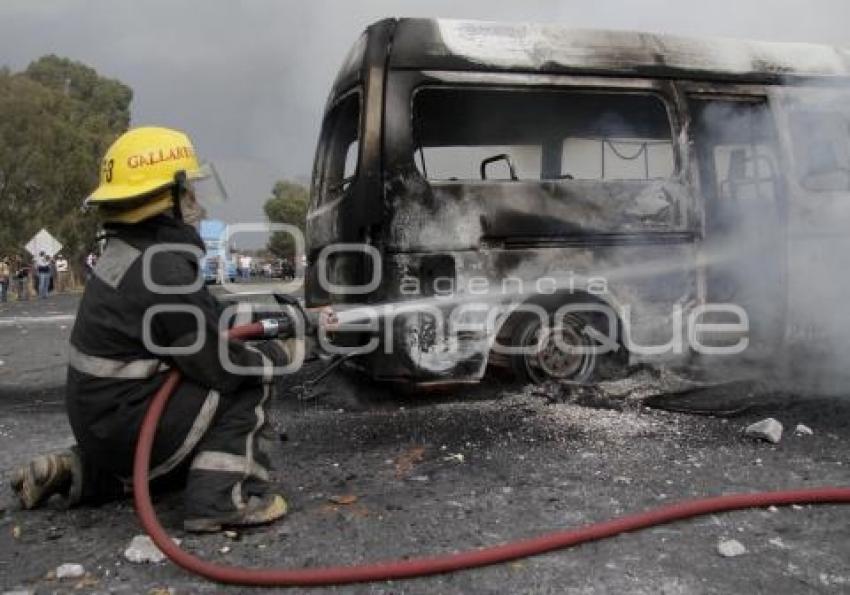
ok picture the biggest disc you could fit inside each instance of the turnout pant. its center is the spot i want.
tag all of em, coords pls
(206, 441)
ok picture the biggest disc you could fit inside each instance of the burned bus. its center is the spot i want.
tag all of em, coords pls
(671, 199)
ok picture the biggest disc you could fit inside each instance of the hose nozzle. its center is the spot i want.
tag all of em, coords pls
(271, 328)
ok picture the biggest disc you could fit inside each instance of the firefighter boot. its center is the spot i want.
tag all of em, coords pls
(45, 475)
(257, 511)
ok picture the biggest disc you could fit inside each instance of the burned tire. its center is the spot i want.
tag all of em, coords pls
(548, 360)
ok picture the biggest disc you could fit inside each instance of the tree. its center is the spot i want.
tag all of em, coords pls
(57, 119)
(99, 98)
(288, 204)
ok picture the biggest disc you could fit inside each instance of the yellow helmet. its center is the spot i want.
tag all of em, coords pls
(138, 172)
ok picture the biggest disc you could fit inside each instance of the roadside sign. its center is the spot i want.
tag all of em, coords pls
(43, 242)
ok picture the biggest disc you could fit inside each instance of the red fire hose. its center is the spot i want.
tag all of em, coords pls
(400, 569)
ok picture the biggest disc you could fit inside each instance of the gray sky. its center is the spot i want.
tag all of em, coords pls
(248, 80)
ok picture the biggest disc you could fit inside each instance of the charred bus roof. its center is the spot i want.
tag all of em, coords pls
(440, 44)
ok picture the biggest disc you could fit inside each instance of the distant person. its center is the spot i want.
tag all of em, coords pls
(245, 267)
(42, 268)
(286, 269)
(91, 260)
(51, 286)
(5, 276)
(22, 273)
(61, 273)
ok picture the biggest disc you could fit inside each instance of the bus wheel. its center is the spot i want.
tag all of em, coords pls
(545, 357)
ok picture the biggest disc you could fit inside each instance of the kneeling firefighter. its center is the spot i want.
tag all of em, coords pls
(144, 292)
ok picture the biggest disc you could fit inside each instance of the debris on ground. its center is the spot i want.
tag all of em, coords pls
(224, 550)
(767, 429)
(729, 548)
(407, 460)
(142, 550)
(456, 458)
(86, 583)
(777, 542)
(232, 535)
(640, 385)
(660, 387)
(803, 430)
(70, 571)
(16, 532)
(344, 499)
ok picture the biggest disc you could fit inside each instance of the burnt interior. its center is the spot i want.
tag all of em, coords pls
(623, 124)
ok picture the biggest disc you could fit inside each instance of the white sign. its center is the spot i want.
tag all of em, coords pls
(43, 242)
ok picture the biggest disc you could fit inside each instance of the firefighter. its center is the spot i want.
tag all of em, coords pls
(143, 298)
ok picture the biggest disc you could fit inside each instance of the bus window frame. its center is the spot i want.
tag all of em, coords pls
(399, 145)
(319, 202)
(584, 88)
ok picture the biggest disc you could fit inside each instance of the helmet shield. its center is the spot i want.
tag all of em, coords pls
(206, 185)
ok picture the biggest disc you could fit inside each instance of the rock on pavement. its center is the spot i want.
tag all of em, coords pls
(767, 429)
(70, 571)
(803, 430)
(729, 548)
(142, 549)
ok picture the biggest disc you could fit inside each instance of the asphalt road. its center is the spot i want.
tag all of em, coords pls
(481, 465)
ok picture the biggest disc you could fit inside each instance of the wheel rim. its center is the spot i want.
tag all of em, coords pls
(549, 361)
